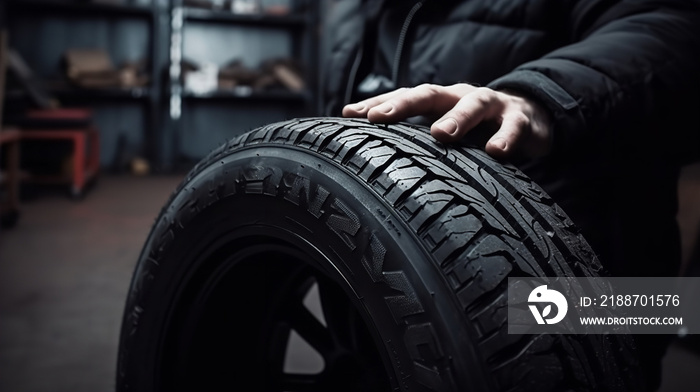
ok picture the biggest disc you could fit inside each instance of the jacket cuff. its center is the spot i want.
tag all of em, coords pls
(568, 121)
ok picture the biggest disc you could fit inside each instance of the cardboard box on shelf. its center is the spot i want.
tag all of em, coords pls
(93, 68)
(236, 74)
(276, 9)
(286, 72)
(86, 61)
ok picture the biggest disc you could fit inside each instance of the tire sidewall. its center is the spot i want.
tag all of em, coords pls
(348, 232)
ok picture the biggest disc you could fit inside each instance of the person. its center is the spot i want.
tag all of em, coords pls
(595, 100)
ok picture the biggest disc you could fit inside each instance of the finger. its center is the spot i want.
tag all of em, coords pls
(420, 100)
(361, 108)
(480, 105)
(508, 139)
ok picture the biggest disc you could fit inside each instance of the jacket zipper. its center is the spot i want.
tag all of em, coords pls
(402, 42)
(397, 56)
(353, 74)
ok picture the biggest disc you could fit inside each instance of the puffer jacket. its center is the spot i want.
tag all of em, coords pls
(621, 79)
(603, 68)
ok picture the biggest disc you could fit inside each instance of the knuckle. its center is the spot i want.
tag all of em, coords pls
(426, 89)
(520, 120)
(484, 96)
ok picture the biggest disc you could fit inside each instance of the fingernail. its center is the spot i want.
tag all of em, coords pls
(500, 144)
(448, 125)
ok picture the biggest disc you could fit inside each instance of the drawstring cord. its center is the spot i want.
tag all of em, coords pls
(402, 40)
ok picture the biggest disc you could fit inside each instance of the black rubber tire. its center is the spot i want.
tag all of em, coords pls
(409, 243)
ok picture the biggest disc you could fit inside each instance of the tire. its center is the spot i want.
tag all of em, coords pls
(407, 243)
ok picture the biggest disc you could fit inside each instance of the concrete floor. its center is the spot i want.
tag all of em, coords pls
(64, 273)
(65, 270)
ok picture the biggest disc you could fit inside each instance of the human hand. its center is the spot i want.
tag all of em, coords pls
(523, 126)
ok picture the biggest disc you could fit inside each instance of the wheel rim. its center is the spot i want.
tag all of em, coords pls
(265, 316)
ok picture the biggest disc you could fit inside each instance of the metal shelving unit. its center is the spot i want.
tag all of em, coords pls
(82, 94)
(82, 8)
(166, 105)
(217, 16)
(299, 24)
(265, 96)
(150, 97)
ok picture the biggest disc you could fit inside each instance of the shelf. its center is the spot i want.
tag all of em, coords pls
(280, 96)
(44, 7)
(102, 93)
(82, 94)
(283, 21)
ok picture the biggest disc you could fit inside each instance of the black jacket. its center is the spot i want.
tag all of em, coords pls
(603, 68)
(621, 79)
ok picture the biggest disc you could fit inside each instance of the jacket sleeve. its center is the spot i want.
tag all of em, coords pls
(628, 65)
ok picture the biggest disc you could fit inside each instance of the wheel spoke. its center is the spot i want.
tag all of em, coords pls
(337, 313)
(311, 330)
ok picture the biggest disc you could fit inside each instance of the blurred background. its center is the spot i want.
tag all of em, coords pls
(105, 105)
